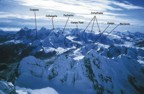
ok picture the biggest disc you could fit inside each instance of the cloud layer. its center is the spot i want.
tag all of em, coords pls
(113, 11)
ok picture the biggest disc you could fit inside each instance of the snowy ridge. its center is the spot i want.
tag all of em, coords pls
(94, 73)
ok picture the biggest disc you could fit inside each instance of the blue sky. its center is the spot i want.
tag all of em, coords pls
(15, 14)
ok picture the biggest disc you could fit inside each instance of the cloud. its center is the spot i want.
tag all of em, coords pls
(73, 6)
(19, 16)
(127, 5)
(114, 11)
(9, 28)
(77, 7)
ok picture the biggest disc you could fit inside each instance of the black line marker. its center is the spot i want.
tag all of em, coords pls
(98, 24)
(34, 10)
(66, 24)
(52, 23)
(112, 30)
(52, 20)
(93, 23)
(88, 24)
(36, 25)
(116, 27)
(102, 32)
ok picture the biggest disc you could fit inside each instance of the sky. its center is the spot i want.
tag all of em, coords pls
(16, 14)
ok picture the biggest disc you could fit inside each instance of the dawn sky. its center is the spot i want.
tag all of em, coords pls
(15, 14)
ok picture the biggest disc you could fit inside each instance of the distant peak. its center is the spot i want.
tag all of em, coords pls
(25, 28)
(43, 28)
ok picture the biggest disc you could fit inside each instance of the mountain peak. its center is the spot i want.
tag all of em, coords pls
(25, 29)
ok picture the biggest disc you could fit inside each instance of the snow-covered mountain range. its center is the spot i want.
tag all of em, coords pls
(71, 62)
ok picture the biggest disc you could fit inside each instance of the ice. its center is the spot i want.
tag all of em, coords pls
(78, 57)
(46, 90)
